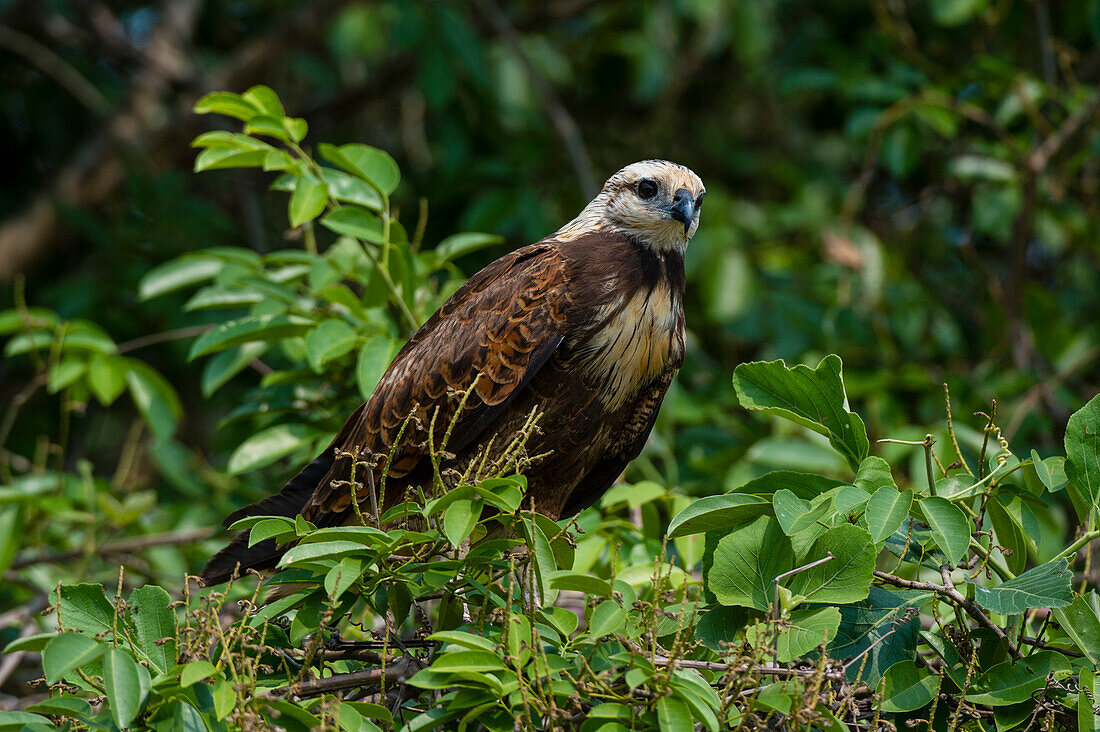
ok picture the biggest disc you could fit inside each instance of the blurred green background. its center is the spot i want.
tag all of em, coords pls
(911, 184)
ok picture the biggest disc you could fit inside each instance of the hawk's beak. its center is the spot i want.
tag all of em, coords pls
(683, 208)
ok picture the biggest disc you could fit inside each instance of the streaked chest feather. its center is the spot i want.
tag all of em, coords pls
(635, 339)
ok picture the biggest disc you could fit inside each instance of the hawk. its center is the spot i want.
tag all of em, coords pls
(586, 326)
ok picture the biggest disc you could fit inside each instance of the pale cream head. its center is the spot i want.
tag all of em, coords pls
(655, 202)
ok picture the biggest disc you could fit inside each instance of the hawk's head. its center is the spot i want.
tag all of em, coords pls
(654, 202)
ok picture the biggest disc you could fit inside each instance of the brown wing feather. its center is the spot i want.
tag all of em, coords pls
(503, 324)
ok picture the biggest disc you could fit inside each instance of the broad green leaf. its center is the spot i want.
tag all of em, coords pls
(374, 358)
(268, 126)
(908, 688)
(795, 514)
(308, 200)
(874, 473)
(220, 158)
(355, 222)
(813, 398)
(84, 607)
(225, 365)
(580, 582)
(67, 652)
(715, 513)
(469, 660)
(1083, 453)
(185, 718)
(950, 526)
(267, 446)
(746, 562)
(11, 534)
(247, 329)
(878, 624)
(1087, 718)
(1080, 622)
(1013, 682)
(178, 273)
(227, 103)
(63, 706)
(331, 339)
(65, 373)
(886, 510)
(24, 721)
(806, 486)
(267, 528)
(155, 398)
(459, 520)
(804, 630)
(1048, 585)
(195, 672)
(127, 686)
(1010, 534)
(349, 189)
(264, 99)
(319, 550)
(674, 715)
(107, 378)
(154, 624)
(458, 245)
(846, 577)
(956, 12)
(367, 162)
(608, 617)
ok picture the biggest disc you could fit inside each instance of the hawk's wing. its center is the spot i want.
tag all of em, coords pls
(503, 324)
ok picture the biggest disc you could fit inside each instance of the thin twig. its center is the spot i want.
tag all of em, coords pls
(122, 546)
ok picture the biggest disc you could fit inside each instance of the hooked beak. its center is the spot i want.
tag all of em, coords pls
(683, 208)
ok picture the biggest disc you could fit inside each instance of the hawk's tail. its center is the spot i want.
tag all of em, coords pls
(238, 556)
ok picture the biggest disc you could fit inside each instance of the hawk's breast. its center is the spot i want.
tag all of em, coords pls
(635, 336)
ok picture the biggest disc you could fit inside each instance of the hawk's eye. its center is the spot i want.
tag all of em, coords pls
(699, 201)
(647, 188)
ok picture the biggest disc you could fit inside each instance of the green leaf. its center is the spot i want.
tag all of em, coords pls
(813, 398)
(217, 158)
(579, 582)
(319, 550)
(874, 473)
(956, 12)
(1080, 622)
(458, 245)
(805, 630)
(746, 562)
(107, 378)
(846, 577)
(63, 706)
(1083, 453)
(225, 365)
(227, 103)
(715, 513)
(23, 721)
(878, 623)
(84, 607)
(247, 329)
(267, 528)
(187, 270)
(1087, 719)
(331, 339)
(464, 639)
(908, 688)
(1013, 682)
(355, 222)
(886, 510)
(374, 358)
(1048, 585)
(155, 398)
(155, 625)
(346, 572)
(1010, 534)
(267, 446)
(466, 661)
(366, 162)
(459, 520)
(185, 718)
(266, 100)
(950, 526)
(127, 686)
(796, 514)
(69, 651)
(308, 200)
(195, 672)
(608, 617)
(65, 373)
(349, 189)
(673, 715)
(268, 126)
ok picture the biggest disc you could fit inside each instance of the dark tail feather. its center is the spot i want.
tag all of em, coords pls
(238, 556)
(231, 561)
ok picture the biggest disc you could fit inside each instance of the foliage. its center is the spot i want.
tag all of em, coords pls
(459, 609)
